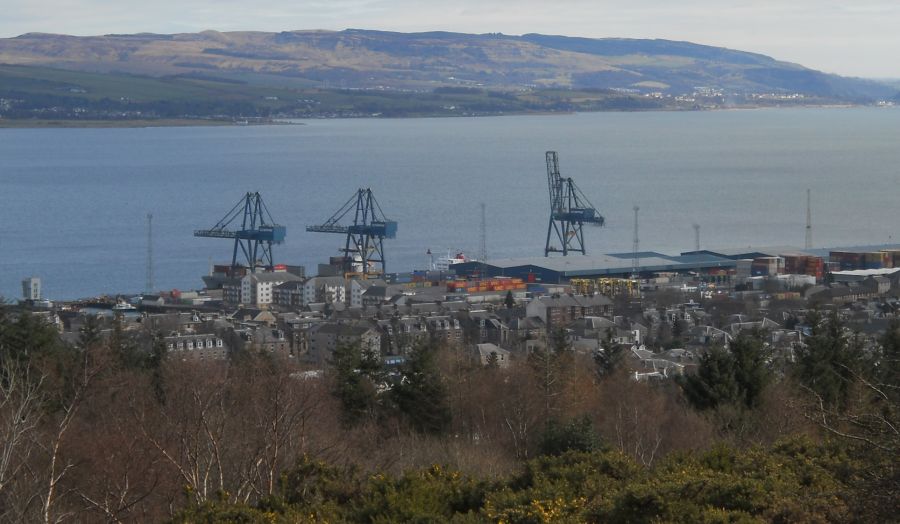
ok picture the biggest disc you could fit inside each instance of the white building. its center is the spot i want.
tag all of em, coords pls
(196, 346)
(329, 290)
(358, 288)
(258, 289)
(31, 288)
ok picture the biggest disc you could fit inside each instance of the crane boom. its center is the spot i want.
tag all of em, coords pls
(364, 246)
(253, 229)
(569, 211)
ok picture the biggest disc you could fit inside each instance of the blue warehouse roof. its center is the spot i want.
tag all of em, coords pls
(558, 269)
(772, 251)
(561, 268)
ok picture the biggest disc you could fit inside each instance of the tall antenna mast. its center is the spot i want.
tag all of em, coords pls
(482, 255)
(635, 245)
(696, 237)
(148, 286)
(808, 244)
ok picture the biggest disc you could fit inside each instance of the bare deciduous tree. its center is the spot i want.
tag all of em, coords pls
(21, 400)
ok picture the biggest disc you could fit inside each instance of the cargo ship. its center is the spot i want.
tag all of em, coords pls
(444, 264)
(221, 273)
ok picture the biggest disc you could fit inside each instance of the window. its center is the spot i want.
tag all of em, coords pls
(218, 342)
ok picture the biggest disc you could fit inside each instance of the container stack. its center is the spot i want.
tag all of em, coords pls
(805, 265)
(846, 260)
(767, 266)
(893, 256)
(849, 261)
(486, 285)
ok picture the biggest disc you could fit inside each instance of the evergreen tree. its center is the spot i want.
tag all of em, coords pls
(751, 371)
(714, 383)
(89, 333)
(354, 385)
(737, 375)
(611, 356)
(830, 361)
(677, 333)
(154, 363)
(577, 435)
(421, 394)
(551, 366)
(888, 365)
(124, 346)
(26, 334)
(510, 301)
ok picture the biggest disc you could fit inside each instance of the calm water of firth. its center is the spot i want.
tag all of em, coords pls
(73, 202)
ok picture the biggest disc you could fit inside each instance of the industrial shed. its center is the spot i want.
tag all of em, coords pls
(561, 269)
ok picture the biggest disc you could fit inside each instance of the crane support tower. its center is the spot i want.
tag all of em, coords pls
(569, 211)
(364, 247)
(254, 231)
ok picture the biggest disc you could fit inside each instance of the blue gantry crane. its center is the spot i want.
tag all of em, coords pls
(254, 231)
(364, 246)
(569, 211)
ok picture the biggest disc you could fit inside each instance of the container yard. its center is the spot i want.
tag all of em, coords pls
(705, 265)
(486, 285)
(612, 287)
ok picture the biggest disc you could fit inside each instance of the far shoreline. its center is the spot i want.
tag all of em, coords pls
(6, 123)
(189, 122)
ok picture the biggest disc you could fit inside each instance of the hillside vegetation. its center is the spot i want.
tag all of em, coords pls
(113, 428)
(366, 73)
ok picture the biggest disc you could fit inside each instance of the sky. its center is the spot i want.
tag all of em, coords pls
(852, 37)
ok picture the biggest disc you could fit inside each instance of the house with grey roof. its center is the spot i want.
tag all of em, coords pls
(527, 328)
(558, 311)
(445, 329)
(401, 334)
(325, 338)
(488, 353)
(489, 327)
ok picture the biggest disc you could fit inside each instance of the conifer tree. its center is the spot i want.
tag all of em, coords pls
(830, 361)
(356, 374)
(714, 383)
(737, 375)
(611, 356)
(421, 394)
(89, 333)
(888, 365)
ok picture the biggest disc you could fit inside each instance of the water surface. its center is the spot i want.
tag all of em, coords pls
(74, 201)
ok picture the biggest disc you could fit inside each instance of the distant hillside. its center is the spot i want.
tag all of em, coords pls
(47, 95)
(355, 59)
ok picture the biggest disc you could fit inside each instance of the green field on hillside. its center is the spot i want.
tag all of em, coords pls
(51, 94)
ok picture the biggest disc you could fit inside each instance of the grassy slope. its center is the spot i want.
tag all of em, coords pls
(49, 81)
(358, 58)
(75, 88)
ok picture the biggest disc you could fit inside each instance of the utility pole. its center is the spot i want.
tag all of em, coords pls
(635, 246)
(148, 286)
(696, 237)
(482, 255)
(808, 243)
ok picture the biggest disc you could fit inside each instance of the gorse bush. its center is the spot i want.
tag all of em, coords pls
(793, 481)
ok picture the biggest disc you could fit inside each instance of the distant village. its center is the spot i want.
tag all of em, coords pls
(664, 311)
